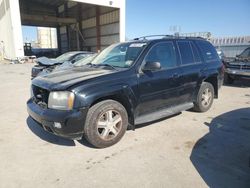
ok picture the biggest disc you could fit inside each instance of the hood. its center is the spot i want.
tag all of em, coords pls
(46, 61)
(61, 80)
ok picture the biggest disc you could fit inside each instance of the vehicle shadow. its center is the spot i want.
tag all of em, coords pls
(243, 83)
(46, 136)
(222, 157)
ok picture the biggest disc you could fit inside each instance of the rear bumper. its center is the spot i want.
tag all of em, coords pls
(72, 122)
(238, 72)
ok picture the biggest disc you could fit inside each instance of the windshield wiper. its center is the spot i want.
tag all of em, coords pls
(104, 64)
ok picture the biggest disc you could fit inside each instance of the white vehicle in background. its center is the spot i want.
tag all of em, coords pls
(44, 63)
(68, 65)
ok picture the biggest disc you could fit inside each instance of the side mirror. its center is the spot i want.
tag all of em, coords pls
(237, 55)
(152, 66)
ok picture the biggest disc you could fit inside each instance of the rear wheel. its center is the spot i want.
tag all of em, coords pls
(106, 123)
(205, 98)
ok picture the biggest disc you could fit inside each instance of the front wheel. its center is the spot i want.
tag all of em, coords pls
(205, 97)
(106, 123)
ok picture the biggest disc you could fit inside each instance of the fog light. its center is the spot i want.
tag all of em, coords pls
(57, 125)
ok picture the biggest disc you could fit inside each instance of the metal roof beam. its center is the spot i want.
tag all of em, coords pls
(49, 19)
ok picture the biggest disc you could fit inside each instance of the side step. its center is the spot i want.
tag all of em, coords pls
(163, 113)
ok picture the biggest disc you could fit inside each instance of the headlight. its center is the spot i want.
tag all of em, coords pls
(31, 92)
(61, 100)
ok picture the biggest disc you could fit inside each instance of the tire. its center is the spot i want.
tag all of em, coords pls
(205, 98)
(228, 79)
(106, 123)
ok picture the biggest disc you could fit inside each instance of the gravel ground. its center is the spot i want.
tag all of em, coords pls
(191, 149)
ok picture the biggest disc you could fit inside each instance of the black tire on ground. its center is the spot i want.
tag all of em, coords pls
(228, 79)
(101, 129)
(204, 98)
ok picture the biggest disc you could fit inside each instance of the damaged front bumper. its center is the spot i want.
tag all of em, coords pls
(67, 124)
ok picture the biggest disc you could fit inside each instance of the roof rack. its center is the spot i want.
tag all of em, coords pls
(151, 36)
(167, 36)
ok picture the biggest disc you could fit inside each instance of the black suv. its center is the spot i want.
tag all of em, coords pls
(238, 67)
(127, 84)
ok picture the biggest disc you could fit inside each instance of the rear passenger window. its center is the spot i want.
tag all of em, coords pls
(164, 53)
(197, 57)
(208, 51)
(186, 52)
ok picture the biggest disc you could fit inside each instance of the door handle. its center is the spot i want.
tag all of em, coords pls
(176, 75)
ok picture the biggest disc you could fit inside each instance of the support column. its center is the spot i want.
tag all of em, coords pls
(98, 29)
(67, 27)
(80, 26)
(58, 34)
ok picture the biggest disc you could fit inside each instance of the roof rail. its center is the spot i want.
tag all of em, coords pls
(167, 36)
(151, 36)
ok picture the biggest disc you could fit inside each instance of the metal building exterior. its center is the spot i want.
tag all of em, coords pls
(81, 24)
(231, 46)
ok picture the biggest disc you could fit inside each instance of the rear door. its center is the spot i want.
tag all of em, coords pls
(159, 89)
(191, 65)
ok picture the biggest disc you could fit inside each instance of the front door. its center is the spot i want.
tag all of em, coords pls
(159, 89)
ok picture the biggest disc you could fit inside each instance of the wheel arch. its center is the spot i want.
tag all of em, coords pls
(214, 81)
(124, 96)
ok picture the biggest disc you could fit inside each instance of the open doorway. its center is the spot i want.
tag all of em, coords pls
(78, 26)
(40, 41)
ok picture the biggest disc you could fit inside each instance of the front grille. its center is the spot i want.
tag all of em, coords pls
(41, 96)
(239, 66)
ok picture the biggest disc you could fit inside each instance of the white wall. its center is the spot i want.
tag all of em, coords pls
(10, 29)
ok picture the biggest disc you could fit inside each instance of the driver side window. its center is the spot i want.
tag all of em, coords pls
(163, 53)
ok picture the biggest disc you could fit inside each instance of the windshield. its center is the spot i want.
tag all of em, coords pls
(85, 60)
(120, 55)
(64, 57)
(245, 53)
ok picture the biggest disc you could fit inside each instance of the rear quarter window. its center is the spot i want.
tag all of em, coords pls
(197, 57)
(208, 51)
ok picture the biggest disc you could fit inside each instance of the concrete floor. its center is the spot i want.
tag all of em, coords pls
(209, 149)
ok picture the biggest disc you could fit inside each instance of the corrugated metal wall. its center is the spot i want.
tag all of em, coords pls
(231, 46)
(233, 50)
(64, 39)
(109, 27)
(106, 27)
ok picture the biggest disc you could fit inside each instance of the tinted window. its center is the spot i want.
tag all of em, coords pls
(164, 53)
(197, 57)
(208, 51)
(186, 52)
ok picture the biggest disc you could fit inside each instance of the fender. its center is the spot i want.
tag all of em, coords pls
(122, 93)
